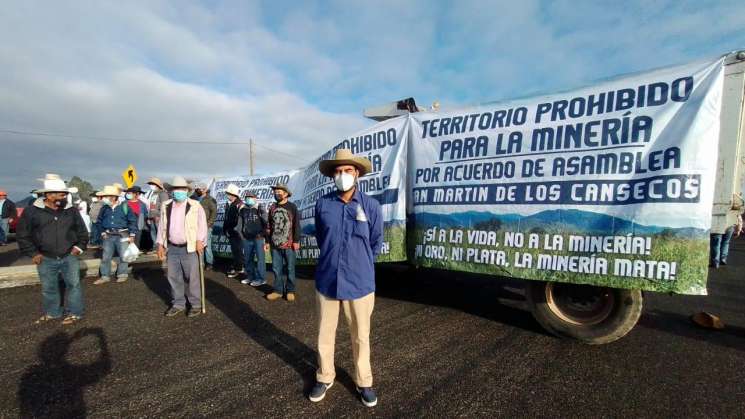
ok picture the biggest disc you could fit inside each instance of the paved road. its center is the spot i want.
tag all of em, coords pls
(443, 345)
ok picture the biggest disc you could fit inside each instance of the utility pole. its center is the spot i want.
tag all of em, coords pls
(251, 157)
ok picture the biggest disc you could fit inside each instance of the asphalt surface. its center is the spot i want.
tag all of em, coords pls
(443, 345)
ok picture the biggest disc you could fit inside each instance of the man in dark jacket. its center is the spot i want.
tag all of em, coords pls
(210, 210)
(284, 237)
(7, 213)
(53, 234)
(229, 228)
(118, 229)
(253, 228)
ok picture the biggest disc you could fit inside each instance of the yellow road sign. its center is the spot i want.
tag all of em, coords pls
(130, 176)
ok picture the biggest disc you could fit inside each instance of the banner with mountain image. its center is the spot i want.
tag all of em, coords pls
(608, 185)
(384, 144)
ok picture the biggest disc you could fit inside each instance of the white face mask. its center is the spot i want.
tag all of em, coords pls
(344, 181)
(153, 187)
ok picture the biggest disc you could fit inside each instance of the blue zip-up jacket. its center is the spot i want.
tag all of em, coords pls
(116, 219)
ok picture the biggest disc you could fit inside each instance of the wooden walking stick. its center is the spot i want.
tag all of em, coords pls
(201, 282)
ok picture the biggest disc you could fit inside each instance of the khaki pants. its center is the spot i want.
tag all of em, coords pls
(358, 313)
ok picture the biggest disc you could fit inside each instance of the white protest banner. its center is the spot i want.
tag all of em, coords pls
(607, 185)
(260, 186)
(384, 144)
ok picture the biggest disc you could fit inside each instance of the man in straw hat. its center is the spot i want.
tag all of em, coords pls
(53, 234)
(202, 194)
(182, 235)
(349, 231)
(118, 225)
(284, 241)
(157, 197)
(229, 228)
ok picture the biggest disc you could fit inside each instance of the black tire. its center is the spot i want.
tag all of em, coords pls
(592, 315)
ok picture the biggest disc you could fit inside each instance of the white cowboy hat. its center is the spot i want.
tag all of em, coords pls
(233, 190)
(108, 190)
(344, 156)
(155, 181)
(178, 182)
(53, 185)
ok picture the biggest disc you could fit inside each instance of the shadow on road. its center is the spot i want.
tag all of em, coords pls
(286, 347)
(681, 325)
(54, 387)
(484, 296)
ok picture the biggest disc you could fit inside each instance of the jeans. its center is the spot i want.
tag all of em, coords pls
(719, 247)
(110, 243)
(283, 258)
(154, 233)
(236, 249)
(4, 229)
(95, 234)
(49, 270)
(257, 271)
(209, 259)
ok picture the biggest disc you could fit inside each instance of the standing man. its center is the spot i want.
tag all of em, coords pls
(118, 229)
(95, 209)
(7, 213)
(182, 235)
(253, 228)
(157, 198)
(53, 234)
(229, 225)
(210, 211)
(139, 208)
(284, 238)
(349, 230)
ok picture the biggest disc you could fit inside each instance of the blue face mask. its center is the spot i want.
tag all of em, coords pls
(129, 196)
(250, 202)
(180, 196)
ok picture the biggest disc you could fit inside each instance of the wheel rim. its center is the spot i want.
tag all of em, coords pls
(582, 305)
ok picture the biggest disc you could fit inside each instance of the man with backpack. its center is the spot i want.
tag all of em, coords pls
(253, 224)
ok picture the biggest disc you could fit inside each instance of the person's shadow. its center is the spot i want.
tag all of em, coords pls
(54, 387)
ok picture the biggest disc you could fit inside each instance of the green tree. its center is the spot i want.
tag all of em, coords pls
(84, 188)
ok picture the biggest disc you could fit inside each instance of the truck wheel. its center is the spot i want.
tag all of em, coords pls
(593, 315)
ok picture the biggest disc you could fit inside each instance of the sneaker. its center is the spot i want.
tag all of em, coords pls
(246, 281)
(101, 280)
(194, 312)
(273, 296)
(367, 396)
(319, 391)
(290, 296)
(256, 283)
(232, 273)
(122, 278)
(723, 262)
(173, 311)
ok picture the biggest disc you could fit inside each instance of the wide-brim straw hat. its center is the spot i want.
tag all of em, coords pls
(108, 190)
(344, 156)
(178, 182)
(233, 189)
(282, 187)
(155, 181)
(53, 185)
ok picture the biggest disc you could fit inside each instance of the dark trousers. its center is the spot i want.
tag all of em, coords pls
(236, 248)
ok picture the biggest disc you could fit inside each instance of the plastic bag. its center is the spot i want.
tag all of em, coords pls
(131, 253)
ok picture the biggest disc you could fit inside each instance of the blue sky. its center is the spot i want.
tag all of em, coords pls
(295, 76)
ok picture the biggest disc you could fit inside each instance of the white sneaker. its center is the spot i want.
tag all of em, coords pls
(245, 281)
